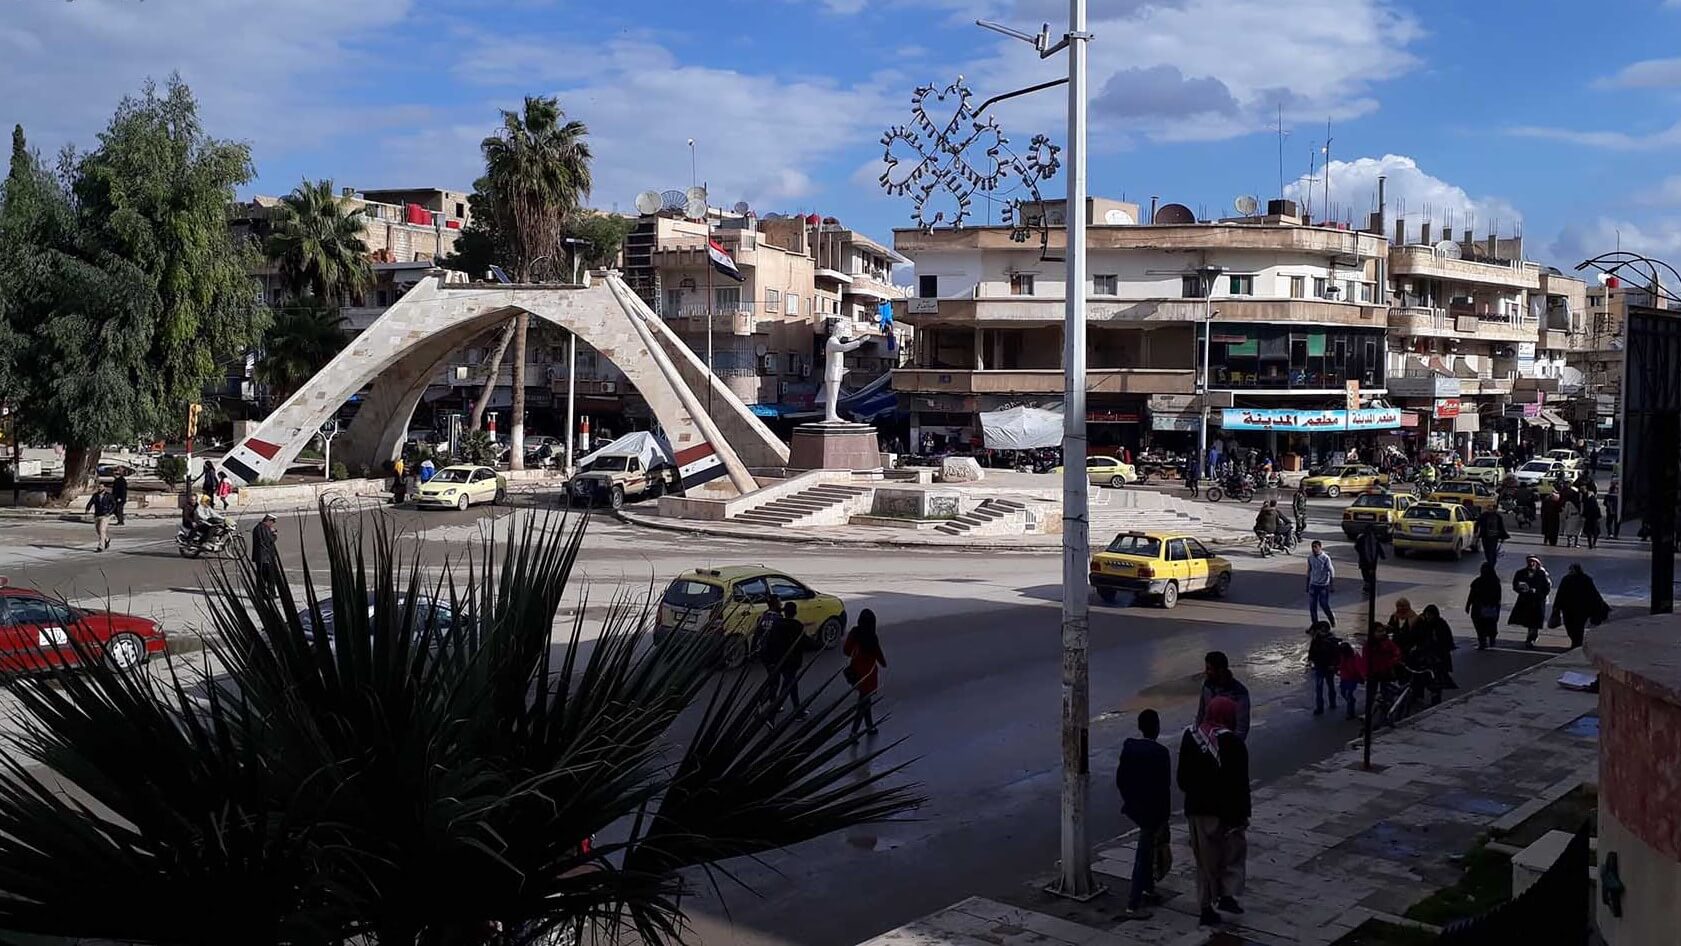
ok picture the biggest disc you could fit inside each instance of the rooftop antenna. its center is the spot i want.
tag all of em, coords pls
(1327, 162)
(1281, 136)
(1307, 191)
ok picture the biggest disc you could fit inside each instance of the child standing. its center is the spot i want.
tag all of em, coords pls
(1323, 656)
(1351, 672)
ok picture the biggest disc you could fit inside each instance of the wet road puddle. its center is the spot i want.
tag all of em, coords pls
(1585, 726)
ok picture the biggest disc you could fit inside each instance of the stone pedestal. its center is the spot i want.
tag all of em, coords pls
(836, 446)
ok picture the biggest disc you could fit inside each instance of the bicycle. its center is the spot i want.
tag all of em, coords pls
(1397, 701)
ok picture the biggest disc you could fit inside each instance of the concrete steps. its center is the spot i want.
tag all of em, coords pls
(805, 506)
(991, 512)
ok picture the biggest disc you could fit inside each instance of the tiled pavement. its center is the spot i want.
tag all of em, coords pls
(1333, 844)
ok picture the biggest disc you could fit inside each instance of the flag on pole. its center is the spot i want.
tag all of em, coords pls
(721, 261)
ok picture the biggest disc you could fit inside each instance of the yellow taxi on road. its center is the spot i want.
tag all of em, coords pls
(462, 486)
(1107, 471)
(729, 601)
(1379, 509)
(1160, 565)
(1435, 527)
(1477, 497)
(1344, 479)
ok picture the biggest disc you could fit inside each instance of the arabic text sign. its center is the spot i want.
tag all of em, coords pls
(1370, 418)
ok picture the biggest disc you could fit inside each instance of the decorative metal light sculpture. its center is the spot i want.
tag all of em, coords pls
(949, 151)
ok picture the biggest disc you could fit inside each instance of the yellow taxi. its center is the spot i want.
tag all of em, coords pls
(1344, 479)
(1381, 510)
(729, 601)
(1107, 471)
(1477, 497)
(1159, 565)
(1435, 527)
(462, 486)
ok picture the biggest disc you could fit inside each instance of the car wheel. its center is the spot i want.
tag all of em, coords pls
(734, 653)
(1109, 595)
(1170, 595)
(617, 498)
(656, 489)
(1117, 481)
(125, 652)
(1333, 491)
(462, 503)
(1222, 585)
(829, 633)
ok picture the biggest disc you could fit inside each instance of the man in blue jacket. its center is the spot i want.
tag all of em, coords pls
(1145, 780)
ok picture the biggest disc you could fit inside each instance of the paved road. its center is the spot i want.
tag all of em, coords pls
(973, 685)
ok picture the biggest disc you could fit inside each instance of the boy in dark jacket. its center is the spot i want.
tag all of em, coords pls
(1322, 657)
(1214, 775)
(1144, 778)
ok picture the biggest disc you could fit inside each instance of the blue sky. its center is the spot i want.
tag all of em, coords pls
(1536, 113)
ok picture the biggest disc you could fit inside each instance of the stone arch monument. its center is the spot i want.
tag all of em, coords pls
(402, 350)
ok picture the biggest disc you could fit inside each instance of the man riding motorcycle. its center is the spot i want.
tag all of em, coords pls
(1270, 527)
(206, 521)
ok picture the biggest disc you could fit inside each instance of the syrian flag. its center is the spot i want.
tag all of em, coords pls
(721, 261)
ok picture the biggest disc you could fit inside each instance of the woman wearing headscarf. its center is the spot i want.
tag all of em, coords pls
(1591, 514)
(1402, 624)
(1550, 511)
(1483, 605)
(862, 650)
(1214, 775)
(1533, 584)
(1572, 519)
(1577, 604)
(1433, 647)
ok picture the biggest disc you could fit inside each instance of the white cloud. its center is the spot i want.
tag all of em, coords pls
(1610, 140)
(759, 138)
(1645, 74)
(1667, 193)
(1235, 62)
(1410, 192)
(1580, 241)
(270, 73)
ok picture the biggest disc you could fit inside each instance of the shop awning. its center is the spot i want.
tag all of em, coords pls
(1554, 420)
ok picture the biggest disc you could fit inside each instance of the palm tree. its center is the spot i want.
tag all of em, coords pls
(317, 241)
(411, 780)
(299, 343)
(537, 172)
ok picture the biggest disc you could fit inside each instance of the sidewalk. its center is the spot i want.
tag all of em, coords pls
(1332, 845)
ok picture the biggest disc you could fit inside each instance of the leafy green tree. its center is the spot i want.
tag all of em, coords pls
(537, 172)
(482, 243)
(316, 239)
(299, 343)
(135, 293)
(408, 782)
(35, 217)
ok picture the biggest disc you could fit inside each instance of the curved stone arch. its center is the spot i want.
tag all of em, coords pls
(399, 352)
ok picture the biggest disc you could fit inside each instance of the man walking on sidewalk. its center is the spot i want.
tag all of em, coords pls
(1320, 572)
(119, 492)
(1214, 775)
(1491, 525)
(1613, 511)
(1144, 778)
(1218, 681)
(265, 557)
(103, 508)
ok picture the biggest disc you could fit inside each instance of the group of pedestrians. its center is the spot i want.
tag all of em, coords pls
(781, 641)
(1213, 777)
(1574, 511)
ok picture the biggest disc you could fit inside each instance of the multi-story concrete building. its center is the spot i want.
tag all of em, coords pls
(1297, 313)
(1600, 357)
(799, 274)
(1477, 339)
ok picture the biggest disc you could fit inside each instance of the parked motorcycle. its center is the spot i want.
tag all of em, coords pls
(218, 538)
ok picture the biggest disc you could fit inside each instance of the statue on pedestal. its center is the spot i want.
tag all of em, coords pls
(834, 366)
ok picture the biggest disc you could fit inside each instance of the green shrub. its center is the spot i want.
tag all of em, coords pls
(338, 472)
(172, 469)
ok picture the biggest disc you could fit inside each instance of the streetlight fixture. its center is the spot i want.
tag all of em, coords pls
(1208, 273)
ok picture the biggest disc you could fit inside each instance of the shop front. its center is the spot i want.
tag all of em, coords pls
(1299, 438)
(1116, 421)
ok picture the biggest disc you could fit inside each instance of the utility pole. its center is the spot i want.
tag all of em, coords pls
(1209, 274)
(571, 400)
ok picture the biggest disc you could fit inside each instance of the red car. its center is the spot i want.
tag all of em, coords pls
(39, 633)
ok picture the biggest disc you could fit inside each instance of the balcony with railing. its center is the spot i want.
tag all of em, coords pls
(1467, 322)
(736, 318)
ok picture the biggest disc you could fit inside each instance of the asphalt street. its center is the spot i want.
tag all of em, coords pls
(972, 687)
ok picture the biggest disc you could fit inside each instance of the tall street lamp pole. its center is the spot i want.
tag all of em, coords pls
(1208, 274)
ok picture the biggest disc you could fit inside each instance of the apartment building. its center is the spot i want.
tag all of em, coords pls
(1296, 313)
(1600, 358)
(763, 333)
(1478, 339)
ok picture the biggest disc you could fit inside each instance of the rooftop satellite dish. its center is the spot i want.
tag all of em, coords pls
(1118, 218)
(695, 193)
(773, 216)
(1449, 249)
(649, 202)
(1175, 214)
(673, 200)
(1246, 205)
(741, 207)
(695, 209)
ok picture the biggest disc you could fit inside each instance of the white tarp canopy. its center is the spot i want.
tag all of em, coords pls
(640, 444)
(1021, 428)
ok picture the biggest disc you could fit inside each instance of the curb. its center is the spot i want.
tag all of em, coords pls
(1358, 741)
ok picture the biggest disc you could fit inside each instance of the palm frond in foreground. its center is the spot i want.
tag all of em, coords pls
(404, 782)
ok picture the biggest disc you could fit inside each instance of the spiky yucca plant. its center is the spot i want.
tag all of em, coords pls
(402, 782)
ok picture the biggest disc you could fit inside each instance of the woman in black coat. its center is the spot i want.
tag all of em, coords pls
(1532, 583)
(1577, 604)
(1483, 605)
